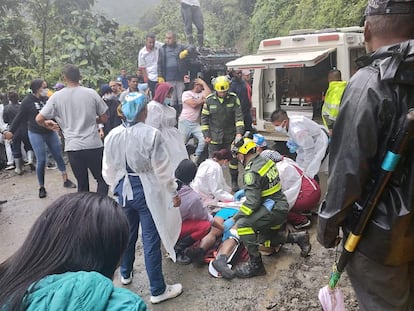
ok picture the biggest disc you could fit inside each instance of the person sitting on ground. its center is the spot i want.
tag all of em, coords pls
(197, 222)
(209, 181)
(302, 192)
(68, 259)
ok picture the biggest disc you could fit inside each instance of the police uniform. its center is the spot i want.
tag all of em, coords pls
(221, 120)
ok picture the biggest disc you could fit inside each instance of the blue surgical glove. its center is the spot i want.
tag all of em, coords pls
(238, 195)
(292, 146)
(268, 203)
(228, 224)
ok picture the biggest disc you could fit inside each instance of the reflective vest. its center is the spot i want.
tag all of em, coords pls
(333, 97)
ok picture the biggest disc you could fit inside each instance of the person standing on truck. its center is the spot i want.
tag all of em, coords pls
(330, 108)
(172, 68)
(222, 122)
(191, 13)
(377, 98)
(310, 138)
(238, 86)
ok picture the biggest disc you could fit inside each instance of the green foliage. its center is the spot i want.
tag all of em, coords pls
(273, 18)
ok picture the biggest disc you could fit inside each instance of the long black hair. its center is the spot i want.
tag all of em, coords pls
(78, 232)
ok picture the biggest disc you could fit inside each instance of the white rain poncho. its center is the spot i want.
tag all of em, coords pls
(209, 182)
(312, 142)
(163, 117)
(143, 149)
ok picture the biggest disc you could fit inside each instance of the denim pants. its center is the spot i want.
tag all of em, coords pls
(81, 161)
(186, 128)
(137, 211)
(39, 141)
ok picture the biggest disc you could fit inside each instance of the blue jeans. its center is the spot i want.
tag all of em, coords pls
(186, 128)
(137, 211)
(39, 143)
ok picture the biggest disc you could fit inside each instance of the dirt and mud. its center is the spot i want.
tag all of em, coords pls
(292, 282)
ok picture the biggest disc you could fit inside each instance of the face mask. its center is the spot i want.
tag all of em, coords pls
(167, 101)
(44, 92)
(281, 129)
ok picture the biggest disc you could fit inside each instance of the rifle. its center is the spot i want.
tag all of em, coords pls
(404, 134)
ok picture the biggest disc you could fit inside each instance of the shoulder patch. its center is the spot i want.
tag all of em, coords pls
(248, 179)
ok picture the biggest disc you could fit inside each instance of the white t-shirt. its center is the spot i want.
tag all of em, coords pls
(75, 110)
(149, 59)
(191, 2)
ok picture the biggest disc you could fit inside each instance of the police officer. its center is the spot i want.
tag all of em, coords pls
(262, 216)
(377, 97)
(222, 122)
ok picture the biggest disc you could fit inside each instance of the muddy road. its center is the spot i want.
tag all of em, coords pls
(292, 282)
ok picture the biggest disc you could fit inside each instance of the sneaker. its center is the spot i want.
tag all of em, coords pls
(51, 166)
(302, 225)
(171, 291)
(42, 192)
(68, 184)
(127, 280)
(10, 167)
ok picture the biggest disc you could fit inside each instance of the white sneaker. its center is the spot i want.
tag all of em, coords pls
(128, 280)
(171, 291)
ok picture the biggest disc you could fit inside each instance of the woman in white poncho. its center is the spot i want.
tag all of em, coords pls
(163, 117)
(137, 166)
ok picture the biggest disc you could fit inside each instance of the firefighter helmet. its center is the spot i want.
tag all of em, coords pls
(245, 145)
(221, 84)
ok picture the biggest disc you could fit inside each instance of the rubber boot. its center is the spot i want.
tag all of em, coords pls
(220, 264)
(190, 39)
(200, 40)
(180, 247)
(301, 239)
(30, 159)
(197, 256)
(19, 166)
(254, 267)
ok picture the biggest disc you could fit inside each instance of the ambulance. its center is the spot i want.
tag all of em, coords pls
(291, 72)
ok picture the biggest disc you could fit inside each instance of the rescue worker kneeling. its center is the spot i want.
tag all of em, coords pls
(262, 216)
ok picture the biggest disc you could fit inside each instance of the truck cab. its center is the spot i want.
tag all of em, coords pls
(291, 72)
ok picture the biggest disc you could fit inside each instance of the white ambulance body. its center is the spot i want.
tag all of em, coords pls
(291, 72)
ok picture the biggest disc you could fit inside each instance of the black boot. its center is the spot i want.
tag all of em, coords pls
(254, 267)
(220, 264)
(301, 239)
(234, 186)
(180, 247)
(197, 256)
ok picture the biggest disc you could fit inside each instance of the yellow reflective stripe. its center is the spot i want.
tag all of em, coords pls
(245, 210)
(263, 170)
(266, 243)
(239, 123)
(272, 190)
(245, 231)
(277, 227)
(205, 112)
(230, 105)
(233, 167)
(214, 142)
(204, 127)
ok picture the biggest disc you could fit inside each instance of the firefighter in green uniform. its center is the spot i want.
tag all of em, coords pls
(262, 216)
(222, 122)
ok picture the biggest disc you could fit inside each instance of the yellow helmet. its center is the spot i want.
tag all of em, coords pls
(245, 145)
(221, 84)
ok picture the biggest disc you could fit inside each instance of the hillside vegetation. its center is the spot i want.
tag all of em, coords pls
(38, 36)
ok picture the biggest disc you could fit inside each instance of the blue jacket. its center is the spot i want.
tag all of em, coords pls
(81, 291)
